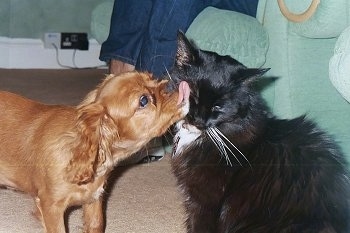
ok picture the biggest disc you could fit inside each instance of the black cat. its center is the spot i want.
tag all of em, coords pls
(243, 170)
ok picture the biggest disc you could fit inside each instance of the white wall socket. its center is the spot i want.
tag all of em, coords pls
(52, 39)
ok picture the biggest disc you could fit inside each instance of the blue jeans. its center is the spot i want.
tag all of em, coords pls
(143, 32)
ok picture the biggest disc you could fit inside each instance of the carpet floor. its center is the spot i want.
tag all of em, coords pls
(140, 198)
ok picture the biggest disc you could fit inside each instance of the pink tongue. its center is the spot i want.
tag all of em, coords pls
(184, 92)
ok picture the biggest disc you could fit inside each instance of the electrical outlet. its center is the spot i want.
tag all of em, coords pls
(52, 39)
(74, 40)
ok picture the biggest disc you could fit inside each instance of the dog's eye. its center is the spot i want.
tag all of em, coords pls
(143, 101)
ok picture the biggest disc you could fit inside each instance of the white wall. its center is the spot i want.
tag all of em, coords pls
(18, 53)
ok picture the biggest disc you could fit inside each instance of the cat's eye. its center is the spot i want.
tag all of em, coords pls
(216, 108)
(143, 101)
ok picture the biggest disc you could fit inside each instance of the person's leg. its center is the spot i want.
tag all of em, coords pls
(167, 17)
(247, 7)
(117, 67)
(129, 22)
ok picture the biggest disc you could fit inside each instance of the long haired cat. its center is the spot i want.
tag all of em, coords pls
(240, 168)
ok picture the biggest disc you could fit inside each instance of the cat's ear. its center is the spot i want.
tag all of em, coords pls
(186, 53)
(251, 74)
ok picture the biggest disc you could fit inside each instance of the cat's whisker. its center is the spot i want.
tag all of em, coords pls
(167, 72)
(221, 146)
(169, 141)
(224, 148)
(227, 140)
(218, 146)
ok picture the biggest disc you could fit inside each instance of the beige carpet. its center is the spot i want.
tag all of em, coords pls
(140, 199)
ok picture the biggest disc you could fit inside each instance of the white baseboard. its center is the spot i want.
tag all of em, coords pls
(18, 53)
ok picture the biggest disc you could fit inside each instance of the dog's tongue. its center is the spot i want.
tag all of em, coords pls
(184, 92)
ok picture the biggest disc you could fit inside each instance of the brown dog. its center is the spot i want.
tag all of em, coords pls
(62, 155)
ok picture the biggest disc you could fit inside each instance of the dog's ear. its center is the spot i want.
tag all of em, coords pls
(94, 141)
(108, 134)
(92, 95)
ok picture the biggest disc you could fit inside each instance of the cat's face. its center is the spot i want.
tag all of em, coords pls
(221, 96)
(224, 109)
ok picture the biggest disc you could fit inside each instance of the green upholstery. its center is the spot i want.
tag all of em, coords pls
(100, 20)
(298, 54)
(339, 65)
(328, 21)
(241, 36)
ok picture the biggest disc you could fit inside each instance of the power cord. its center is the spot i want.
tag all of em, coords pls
(73, 61)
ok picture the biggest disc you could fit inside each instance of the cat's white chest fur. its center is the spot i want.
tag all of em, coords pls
(185, 135)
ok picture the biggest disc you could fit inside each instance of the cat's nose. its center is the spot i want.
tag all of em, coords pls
(199, 123)
(185, 125)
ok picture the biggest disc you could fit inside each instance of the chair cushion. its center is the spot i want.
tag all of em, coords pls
(339, 65)
(100, 21)
(230, 33)
(327, 22)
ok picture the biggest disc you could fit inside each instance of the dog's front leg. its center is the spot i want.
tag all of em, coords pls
(93, 217)
(52, 215)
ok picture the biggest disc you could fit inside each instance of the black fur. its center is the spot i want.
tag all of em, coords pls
(294, 177)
